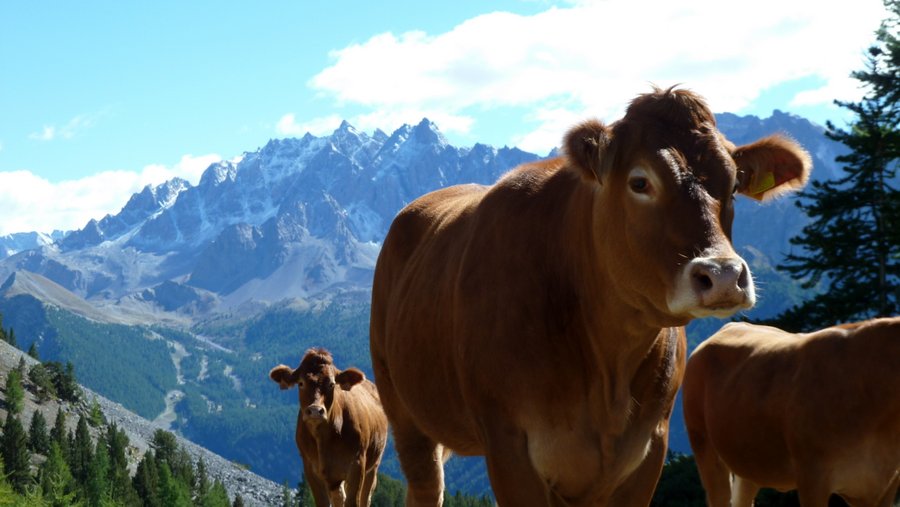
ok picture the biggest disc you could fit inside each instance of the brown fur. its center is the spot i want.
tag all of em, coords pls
(341, 451)
(529, 321)
(817, 412)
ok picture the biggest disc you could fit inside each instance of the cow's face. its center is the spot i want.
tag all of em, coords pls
(666, 181)
(318, 383)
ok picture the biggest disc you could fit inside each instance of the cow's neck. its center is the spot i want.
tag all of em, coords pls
(620, 334)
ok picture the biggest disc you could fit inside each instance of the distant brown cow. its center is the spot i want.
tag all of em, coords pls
(341, 432)
(817, 412)
(536, 321)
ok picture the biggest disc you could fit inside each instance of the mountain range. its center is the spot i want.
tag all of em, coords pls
(272, 252)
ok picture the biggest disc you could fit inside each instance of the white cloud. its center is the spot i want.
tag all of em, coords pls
(32, 203)
(596, 55)
(48, 133)
(72, 128)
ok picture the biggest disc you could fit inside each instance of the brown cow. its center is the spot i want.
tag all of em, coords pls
(341, 432)
(536, 321)
(817, 412)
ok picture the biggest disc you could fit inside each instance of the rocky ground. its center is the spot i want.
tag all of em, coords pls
(254, 490)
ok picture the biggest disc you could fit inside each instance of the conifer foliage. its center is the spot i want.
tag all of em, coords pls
(850, 251)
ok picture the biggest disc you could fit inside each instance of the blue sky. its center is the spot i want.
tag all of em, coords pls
(98, 99)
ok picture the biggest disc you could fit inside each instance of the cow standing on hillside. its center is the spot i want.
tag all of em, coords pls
(816, 412)
(341, 429)
(537, 321)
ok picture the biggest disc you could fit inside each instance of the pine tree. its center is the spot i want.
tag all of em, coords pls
(217, 496)
(851, 248)
(40, 377)
(15, 393)
(287, 496)
(238, 501)
(164, 445)
(11, 338)
(33, 351)
(305, 496)
(96, 414)
(82, 453)
(120, 482)
(146, 481)
(38, 438)
(172, 492)
(182, 468)
(98, 490)
(6, 491)
(69, 390)
(56, 479)
(201, 484)
(14, 451)
(58, 434)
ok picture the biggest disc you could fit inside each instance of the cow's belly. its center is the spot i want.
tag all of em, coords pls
(583, 466)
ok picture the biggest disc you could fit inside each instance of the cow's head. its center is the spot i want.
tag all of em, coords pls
(316, 379)
(665, 180)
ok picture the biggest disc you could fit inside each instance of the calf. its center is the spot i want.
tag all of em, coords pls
(816, 412)
(341, 431)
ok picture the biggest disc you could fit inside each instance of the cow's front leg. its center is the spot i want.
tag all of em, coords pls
(317, 486)
(637, 490)
(337, 495)
(513, 478)
(354, 481)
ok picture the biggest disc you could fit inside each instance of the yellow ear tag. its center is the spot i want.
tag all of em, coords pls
(760, 183)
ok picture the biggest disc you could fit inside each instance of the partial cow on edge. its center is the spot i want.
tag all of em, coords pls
(816, 412)
(341, 431)
(536, 322)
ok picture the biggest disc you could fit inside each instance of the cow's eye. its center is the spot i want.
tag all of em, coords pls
(300, 384)
(639, 185)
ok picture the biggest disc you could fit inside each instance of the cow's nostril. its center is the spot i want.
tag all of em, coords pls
(703, 282)
(744, 278)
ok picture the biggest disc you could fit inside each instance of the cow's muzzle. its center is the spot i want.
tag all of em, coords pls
(713, 287)
(314, 413)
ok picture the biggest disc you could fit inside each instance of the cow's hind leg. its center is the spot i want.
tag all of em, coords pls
(423, 465)
(715, 476)
(743, 492)
(421, 458)
(368, 487)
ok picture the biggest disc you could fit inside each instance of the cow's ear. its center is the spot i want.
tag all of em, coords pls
(284, 375)
(349, 378)
(584, 145)
(771, 167)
